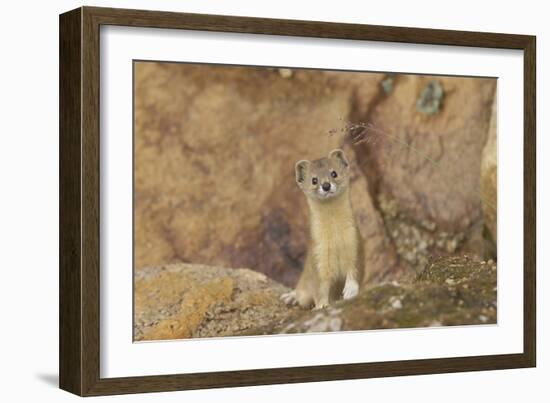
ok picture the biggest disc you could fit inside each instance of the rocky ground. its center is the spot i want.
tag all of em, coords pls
(184, 301)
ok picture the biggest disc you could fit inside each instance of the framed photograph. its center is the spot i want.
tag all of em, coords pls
(249, 201)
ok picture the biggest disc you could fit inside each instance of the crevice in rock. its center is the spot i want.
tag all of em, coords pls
(363, 152)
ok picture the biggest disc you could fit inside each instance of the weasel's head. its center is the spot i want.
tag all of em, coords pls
(325, 178)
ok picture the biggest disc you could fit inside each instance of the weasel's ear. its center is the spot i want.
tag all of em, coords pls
(301, 171)
(340, 156)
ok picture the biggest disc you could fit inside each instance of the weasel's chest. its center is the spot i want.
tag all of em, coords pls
(335, 244)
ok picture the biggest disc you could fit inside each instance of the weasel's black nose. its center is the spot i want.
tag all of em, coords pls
(326, 186)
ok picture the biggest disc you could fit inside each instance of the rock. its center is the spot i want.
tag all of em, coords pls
(431, 98)
(380, 259)
(215, 154)
(188, 301)
(395, 303)
(183, 301)
(285, 73)
(489, 176)
(215, 148)
(387, 84)
(429, 300)
(424, 167)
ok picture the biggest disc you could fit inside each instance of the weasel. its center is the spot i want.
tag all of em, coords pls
(333, 265)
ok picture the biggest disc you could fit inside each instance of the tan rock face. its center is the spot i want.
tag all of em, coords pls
(421, 157)
(489, 176)
(428, 162)
(380, 257)
(215, 149)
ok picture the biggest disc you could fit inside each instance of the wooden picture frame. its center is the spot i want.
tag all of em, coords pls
(79, 348)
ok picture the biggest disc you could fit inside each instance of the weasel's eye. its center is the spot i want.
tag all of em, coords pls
(334, 174)
(314, 181)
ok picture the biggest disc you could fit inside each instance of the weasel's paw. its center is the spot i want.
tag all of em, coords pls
(289, 298)
(351, 289)
(320, 305)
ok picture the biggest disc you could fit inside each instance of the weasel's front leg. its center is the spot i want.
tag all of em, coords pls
(351, 287)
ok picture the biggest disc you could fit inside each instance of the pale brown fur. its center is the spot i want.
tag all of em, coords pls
(333, 266)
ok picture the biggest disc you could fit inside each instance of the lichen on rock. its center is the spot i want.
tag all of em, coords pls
(183, 301)
(431, 98)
